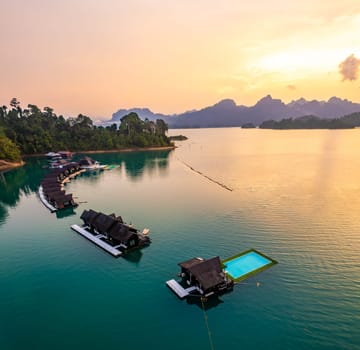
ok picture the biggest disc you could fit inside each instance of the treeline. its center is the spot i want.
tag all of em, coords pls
(312, 122)
(33, 131)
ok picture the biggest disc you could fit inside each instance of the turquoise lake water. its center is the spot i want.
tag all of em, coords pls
(293, 195)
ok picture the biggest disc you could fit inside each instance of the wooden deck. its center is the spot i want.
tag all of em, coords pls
(97, 240)
(178, 289)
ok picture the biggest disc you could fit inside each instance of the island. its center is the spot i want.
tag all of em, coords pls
(178, 138)
(349, 121)
(248, 126)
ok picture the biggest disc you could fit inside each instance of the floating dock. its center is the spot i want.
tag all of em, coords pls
(178, 289)
(97, 240)
(45, 202)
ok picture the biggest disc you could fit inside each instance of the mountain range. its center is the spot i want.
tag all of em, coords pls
(228, 113)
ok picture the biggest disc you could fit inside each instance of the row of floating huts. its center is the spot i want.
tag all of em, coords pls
(111, 233)
(199, 277)
(51, 190)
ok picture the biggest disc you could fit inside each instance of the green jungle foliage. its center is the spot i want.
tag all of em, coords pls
(311, 122)
(40, 131)
(8, 149)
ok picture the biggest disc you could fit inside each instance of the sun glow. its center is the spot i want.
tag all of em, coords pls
(304, 61)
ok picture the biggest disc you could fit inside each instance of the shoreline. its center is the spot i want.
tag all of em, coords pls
(130, 149)
(6, 166)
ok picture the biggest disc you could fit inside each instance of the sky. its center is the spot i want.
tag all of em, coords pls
(97, 56)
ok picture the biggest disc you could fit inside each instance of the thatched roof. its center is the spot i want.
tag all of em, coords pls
(208, 272)
(88, 216)
(122, 233)
(103, 222)
(188, 263)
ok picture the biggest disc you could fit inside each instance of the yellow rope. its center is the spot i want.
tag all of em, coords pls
(207, 325)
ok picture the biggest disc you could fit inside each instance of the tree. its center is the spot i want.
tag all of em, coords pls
(14, 103)
(8, 149)
(161, 127)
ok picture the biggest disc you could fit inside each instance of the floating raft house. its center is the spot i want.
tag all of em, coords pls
(51, 190)
(206, 277)
(110, 233)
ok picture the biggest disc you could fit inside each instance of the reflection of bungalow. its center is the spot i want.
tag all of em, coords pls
(110, 232)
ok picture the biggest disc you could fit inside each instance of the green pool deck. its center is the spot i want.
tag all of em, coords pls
(246, 264)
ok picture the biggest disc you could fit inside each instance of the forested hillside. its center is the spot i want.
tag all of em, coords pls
(34, 130)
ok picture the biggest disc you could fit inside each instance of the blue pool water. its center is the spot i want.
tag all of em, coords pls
(245, 264)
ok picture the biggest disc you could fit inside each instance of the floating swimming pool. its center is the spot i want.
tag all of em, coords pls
(246, 264)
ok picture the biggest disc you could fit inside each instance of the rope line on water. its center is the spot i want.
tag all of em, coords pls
(207, 325)
(204, 175)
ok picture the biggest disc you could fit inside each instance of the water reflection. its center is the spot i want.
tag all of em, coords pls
(17, 182)
(60, 214)
(23, 180)
(207, 304)
(134, 256)
(136, 164)
(3, 214)
(26, 180)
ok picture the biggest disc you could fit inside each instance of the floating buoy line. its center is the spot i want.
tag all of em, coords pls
(206, 176)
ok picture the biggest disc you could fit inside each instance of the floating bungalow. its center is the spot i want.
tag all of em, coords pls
(65, 154)
(201, 277)
(51, 190)
(205, 277)
(110, 233)
(89, 164)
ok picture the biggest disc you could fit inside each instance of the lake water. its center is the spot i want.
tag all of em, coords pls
(293, 195)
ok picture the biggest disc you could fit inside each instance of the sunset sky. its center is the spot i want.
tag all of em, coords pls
(94, 57)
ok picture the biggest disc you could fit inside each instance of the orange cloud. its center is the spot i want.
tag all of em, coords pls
(349, 68)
